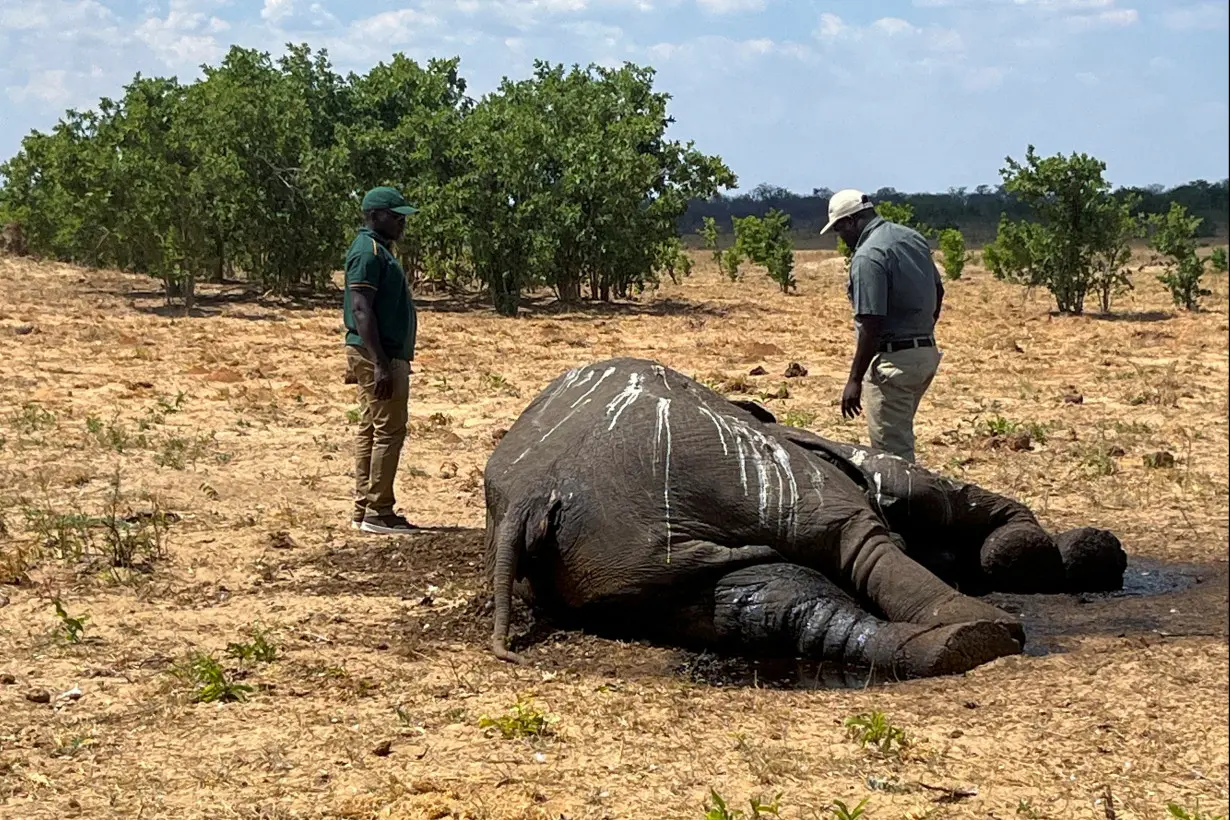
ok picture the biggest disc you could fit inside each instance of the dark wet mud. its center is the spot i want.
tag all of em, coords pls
(1158, 600)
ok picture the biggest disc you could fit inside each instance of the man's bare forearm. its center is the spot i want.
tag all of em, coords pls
(865, 349)
(369, 331)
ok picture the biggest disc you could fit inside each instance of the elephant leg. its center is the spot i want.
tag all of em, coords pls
(1022, 557)
(787, 609)
(899, 587)
(1093, 559)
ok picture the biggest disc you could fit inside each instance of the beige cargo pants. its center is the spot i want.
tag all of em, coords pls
(381, 434)
(894, 385)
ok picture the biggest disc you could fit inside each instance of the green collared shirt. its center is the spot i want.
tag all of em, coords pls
(893, 275)
(371, 265)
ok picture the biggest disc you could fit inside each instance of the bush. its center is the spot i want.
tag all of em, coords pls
(1174, 238)
(952, 248)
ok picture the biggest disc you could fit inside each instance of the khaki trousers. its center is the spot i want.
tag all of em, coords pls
(894, 385)
(381, 434)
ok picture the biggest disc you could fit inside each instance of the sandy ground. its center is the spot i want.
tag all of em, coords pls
(220, 441)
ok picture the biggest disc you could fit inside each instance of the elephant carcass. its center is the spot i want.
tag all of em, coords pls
(628, 494)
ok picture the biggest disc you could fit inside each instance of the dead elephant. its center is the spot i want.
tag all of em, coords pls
(632, 500)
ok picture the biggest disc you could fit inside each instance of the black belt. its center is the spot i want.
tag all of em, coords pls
(906, 344)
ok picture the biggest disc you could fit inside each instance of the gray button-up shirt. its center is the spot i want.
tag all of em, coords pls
(893, 275)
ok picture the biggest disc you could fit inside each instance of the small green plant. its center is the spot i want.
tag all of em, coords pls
(352, 415)
(34, 418)
(952, 250)
(259, 649)
(841, 811)
(499, 384)
(997, 425)
(522, 720)
(716, 808)
(1025, 808)
(209, 680)
(797, 418)
(71, 628)
(874, 729)
(1181, 813)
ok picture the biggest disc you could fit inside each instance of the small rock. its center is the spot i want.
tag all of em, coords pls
(8, 679)
(757, 371)
(281, 540)
(1161, 460)
(38, 696)
(795, 370)
(1018, 441)
(4, 601)
(382, 646)
(1074, 398)
(956, 733)
(384, 749)
(498, 434)
(1116, 451)
(969, 704)
(23, 330)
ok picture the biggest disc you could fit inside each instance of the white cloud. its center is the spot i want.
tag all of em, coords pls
(1200, 17)
(893, 25)
(392, 28)
(1112, 18)
(45, 87)
(731, 6)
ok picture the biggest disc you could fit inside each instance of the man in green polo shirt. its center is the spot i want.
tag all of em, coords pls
(381, 323)
(896, 293)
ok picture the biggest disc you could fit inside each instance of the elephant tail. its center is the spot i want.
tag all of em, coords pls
(524, 524)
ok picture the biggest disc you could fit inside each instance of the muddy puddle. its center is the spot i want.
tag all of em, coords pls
(1164, 600)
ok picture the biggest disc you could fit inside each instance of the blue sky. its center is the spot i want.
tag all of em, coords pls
(915, 95)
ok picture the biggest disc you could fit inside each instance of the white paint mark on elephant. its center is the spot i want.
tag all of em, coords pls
(857, 457)
(662, 441)
(630, 393)
(717, 422)
(660, 371)
(782, 458)
(583, 400)
(879, 489)
(569, 379)
(817, 481)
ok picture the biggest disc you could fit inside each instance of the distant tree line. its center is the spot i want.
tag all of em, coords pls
(976, 214)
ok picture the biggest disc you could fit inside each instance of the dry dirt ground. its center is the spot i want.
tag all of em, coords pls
(218, 443)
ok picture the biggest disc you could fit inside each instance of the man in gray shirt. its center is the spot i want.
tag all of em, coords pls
(896, 293)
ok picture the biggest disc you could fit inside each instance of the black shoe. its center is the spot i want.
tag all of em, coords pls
(387, 524)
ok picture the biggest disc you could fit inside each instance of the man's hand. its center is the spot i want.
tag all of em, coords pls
(383, 388)
(852, 399)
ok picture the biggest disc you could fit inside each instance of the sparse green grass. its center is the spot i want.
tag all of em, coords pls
(841, 811)
(259, 649)
(1178, 812)
(522, 720)
(874, 729)
(208, 680)
(70, 628)
(716, 808)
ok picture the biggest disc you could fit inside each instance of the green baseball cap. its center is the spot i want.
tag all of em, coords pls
(386, 198)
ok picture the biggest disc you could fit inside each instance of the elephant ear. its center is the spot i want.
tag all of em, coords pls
(759, 411)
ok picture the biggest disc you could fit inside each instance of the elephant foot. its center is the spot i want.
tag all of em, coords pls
(1093, 559)
(1022, 558)
(961, 609)
(949, 649)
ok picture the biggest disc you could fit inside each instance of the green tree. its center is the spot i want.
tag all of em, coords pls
(1173, 236)
(1218, 259)
(1071, 204)
(767, 242)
